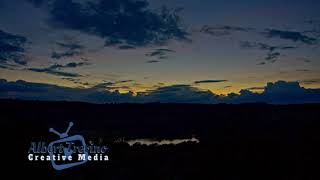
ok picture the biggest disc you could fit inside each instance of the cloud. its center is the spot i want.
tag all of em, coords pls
(126, 47)
(76, 81)
(54, 72)
(74, 64)
(68, 50)
(223, 30)
(68, 65)
(108, 85)
(306, 60)
(306, 37)
(273, 52)
(56, 55)
(160, 53)
(117, 21)
(37, 91)
(280, 92)
(272, 56)
(153, 61)
(303, 70)
(124, 81)
(263, 46)
(104, 85)
(177, 94)
(310, 81)
(255, 88)
(71, 46)
(262, 63)
(6, 66)
(209, 81)
(54, 69)
(290, 35)
(12, 48)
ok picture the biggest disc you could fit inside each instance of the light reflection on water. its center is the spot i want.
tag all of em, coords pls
(161, 142)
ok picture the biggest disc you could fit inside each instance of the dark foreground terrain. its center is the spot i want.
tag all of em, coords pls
(248, 141)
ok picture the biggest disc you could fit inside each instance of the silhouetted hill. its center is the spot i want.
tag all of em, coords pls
(245, 141)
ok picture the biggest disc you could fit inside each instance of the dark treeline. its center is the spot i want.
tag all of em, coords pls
(251, 141)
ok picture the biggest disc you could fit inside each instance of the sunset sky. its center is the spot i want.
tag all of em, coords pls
(218, 45)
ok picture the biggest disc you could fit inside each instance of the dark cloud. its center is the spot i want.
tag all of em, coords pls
(161, 53)
(177, 94)
(76, 81)
(116, 88)
(56, 55)
(310, 81)
(5, 67)
(306, 60)
(54, 72)
(255, 88)
(273, 52)
(313, 32)
(70, 79)
(279, 92)
(209, 81)
(223, 30)
(126, 47)
(68, 65)
(117, 21)
(124, 81)
(272, 56)
(108, 85)
(153, 61)
(307, 37)
(295, 36)
(12, 48)
(262, 63)
(303, 70)
(75, 64)
(263, 46)
(55, 69)
(68, 50)
(163, 57)
(26, 90)
(104, 85)
(314, 28)
(71, 46)
(111, 86)
(165, 50)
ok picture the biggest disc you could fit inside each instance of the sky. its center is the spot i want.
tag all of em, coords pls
(146, 46)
